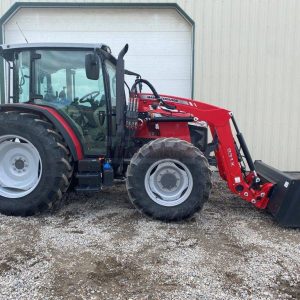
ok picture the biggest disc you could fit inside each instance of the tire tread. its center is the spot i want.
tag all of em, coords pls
(61, 158)
(161, 148)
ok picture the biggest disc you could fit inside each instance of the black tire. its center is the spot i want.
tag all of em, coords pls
(56, 163)
(173, 149)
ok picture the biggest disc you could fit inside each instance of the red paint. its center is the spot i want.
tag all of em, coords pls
(148, 131)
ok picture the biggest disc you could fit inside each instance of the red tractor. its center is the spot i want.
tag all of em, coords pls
(67, 124)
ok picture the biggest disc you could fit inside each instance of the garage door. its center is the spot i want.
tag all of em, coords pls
(160, 40)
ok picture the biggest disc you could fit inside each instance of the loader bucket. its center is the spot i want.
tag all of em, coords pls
(284, 202)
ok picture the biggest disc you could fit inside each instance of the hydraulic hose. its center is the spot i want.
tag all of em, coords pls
(153, 90)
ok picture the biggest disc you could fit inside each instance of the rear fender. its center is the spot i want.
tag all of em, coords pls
(56, 119)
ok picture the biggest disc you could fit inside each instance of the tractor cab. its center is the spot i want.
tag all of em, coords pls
(54, 75)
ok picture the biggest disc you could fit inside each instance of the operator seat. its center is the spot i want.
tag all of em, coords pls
(93, 115)
(49, 95)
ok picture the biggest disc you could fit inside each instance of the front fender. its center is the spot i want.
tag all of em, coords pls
(53, 116)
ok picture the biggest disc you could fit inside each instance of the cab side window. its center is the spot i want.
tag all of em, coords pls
(22, 63)
(111, 71)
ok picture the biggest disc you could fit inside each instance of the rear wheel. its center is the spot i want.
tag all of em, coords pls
(168, 179)
(35, 164)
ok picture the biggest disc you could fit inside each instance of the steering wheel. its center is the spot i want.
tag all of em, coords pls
(92, 95)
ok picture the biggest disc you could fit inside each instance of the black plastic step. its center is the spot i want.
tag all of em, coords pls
(89, 180)
(87, 189)
(89, 165)
(88, 175)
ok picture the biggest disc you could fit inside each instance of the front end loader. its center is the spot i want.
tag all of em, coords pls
(72, 122)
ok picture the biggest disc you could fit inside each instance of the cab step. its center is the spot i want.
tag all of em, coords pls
(87, 189)
(93, 174)
(89, 179)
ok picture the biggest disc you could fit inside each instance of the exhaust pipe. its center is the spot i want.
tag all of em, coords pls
(120, 92)
(120, 112)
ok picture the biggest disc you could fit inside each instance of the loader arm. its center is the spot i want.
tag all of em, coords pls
(248, 186)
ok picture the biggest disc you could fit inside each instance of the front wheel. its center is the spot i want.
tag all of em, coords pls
(168, 179)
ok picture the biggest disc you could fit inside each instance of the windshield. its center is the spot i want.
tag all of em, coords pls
(60, 77)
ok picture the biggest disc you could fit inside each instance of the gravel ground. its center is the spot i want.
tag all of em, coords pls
(100, 247)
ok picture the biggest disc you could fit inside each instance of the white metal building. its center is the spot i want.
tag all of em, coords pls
(242, 55)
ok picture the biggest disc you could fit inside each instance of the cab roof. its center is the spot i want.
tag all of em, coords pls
(6, 49)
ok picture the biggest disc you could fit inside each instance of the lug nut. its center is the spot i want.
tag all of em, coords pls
(253, 201)
(246, 194)
(262, 195)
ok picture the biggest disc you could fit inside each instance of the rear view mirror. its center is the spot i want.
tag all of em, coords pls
(92, 66)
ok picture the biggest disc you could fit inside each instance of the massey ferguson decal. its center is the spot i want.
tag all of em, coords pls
(167, 99)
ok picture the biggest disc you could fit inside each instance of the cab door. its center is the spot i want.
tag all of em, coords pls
(62, 83)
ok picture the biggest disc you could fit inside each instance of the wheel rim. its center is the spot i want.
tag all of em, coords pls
(20, 167)
(168, 182)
